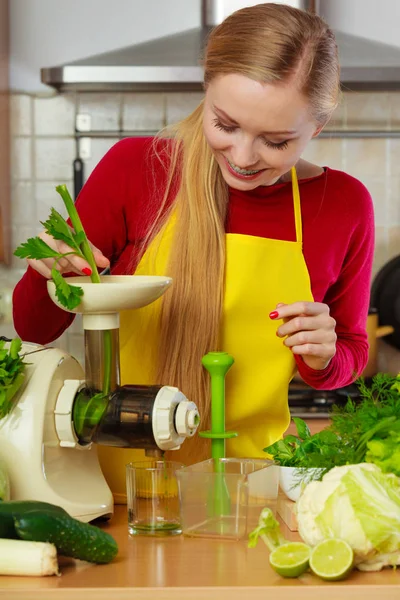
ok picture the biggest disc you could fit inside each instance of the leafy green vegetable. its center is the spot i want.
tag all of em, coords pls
(351, 437)
(11, 374)
(35, 248)
(359, 504)
(385, 453)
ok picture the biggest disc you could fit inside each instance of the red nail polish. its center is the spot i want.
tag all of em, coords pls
(87, 271)
(273, 314)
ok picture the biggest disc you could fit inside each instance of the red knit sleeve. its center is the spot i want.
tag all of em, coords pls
(348, 298)
(103, 204)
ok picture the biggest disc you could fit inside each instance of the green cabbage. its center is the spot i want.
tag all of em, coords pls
(359, 504)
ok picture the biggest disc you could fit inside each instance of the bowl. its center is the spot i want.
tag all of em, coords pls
(292, 480)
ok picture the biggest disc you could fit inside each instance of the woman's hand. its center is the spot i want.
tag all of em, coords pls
(309, 331)
(69, 264)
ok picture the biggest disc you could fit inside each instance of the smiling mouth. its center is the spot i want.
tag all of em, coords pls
(243, 172)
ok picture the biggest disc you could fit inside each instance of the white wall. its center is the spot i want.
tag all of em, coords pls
(374, 19)
(50, 32)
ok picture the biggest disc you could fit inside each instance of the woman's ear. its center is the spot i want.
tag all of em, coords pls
(318, 130)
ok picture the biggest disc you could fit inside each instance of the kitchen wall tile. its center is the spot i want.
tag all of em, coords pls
(61, 342)
(394, 242)
(98, 148)
(20, 234)
(46, 198)
(394, 157)
(379, 192)
(143, 112)
(394, 200)
(325, 152)
(21, 114)
(366, 157)
(21, 158)
(394, 102)
(22, 203)
(180, 105)
(104, 109)
(367, 110)
(55, 115)
(76, 326)
(54, 158)
(381, 249)
(338, 119)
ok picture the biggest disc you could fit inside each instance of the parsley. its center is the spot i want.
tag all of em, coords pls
(11, 374)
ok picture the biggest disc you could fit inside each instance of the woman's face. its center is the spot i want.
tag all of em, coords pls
(256, 131)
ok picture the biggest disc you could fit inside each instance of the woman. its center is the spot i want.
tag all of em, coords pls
(215, 204)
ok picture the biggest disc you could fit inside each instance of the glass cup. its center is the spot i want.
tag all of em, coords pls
(153, 498)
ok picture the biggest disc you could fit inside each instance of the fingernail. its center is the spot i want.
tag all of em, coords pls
(273, 314)
(277, 334)
(87, 271)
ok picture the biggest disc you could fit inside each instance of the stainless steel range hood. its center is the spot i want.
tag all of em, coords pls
(172, 63)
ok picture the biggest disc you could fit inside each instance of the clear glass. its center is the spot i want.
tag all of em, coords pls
(152, 498)
(223, 498)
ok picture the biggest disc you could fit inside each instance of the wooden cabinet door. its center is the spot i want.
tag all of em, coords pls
(5, 221)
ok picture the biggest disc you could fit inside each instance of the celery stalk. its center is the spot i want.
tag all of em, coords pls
(78, 227)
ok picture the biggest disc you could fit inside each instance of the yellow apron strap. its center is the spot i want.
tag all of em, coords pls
(297, 206)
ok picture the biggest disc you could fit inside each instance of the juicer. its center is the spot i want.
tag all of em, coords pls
(61, 412)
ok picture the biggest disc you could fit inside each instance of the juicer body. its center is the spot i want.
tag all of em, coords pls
(40, 466)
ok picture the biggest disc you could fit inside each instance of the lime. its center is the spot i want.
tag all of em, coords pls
(332, 559)
(291, 559)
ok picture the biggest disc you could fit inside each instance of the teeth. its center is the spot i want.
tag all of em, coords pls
(242, 171)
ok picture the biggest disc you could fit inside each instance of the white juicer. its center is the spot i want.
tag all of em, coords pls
(48, 440)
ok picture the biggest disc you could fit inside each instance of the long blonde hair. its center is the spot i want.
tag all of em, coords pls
(268, 43)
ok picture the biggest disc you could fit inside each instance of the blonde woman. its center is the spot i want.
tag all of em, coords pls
(270, 255)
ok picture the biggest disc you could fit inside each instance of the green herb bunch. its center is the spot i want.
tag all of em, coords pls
(11, 374)
(69, 296)
(354, 432)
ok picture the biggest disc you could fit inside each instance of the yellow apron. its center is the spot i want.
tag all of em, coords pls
(259, 274)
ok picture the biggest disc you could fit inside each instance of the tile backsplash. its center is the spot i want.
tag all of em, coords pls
(44, 148)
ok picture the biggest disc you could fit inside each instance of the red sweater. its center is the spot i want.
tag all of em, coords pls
(116, 206)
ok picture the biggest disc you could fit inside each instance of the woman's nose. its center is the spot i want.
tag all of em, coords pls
(244, 155)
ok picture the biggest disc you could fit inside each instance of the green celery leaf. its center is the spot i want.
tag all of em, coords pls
(35, 248)
(68, 295)
(57, 227)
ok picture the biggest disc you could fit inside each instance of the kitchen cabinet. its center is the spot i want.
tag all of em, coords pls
(183, 568)
(5, 226)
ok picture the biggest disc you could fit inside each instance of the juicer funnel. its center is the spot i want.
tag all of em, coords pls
(101, 302)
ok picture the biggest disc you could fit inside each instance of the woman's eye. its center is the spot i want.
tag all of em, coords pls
(279, 146)
(222, 127)
(231, 128)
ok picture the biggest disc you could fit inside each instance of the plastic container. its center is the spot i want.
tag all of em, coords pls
(223, 498)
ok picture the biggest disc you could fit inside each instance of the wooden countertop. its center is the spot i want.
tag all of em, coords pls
(183, 568)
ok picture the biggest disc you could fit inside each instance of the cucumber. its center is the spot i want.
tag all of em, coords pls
(17, 508)
(71, 537)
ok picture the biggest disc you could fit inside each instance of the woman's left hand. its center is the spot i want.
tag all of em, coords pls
(309, 331)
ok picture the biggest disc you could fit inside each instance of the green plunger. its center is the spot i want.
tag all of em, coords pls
(218, 364)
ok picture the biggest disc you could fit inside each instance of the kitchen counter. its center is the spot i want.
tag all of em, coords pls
(183, 568)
